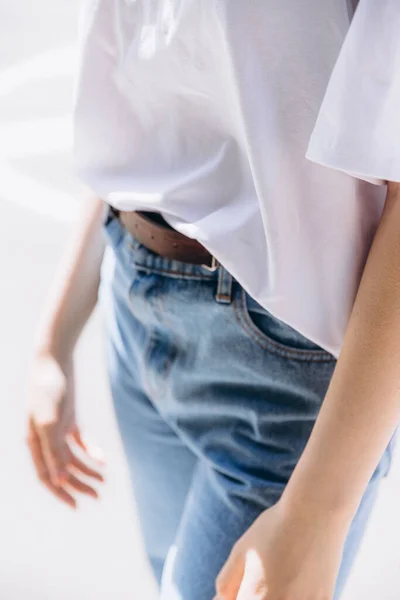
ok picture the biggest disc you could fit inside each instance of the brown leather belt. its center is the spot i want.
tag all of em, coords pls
(153, 232)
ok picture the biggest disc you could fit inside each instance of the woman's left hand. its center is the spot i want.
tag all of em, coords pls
(287, 554)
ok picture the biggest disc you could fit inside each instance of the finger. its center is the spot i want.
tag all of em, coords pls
(36, 453)
(79, 465)
(81, 487)
(61, 494)
(253, 584)
(89, 449)
(56, 455)
(42, 471)
(230, 577)
(59, 458)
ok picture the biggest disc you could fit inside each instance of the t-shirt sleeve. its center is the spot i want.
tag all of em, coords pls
(358, 127)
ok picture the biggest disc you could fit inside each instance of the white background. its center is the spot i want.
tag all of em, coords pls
(46, 551)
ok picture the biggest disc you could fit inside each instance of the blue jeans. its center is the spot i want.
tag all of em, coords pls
(215, 400)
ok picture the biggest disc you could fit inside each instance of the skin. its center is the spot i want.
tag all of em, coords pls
(299, 541)
(59, 453)
(293, 550)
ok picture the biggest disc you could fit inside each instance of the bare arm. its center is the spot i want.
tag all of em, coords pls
(53, 432)
(294, 549)
(74, 291)
(362, 406)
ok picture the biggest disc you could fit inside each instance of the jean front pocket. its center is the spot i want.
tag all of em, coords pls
(275, 335)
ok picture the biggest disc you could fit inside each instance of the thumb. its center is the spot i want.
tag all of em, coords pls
(230, 577)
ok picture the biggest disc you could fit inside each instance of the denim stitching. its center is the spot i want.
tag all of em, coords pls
(179, 274)
(268, 344)
(159, 385)
(133, 246)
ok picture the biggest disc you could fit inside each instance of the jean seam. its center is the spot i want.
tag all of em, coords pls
(172, 272)
(149, 336)
(133, 247)
(268, 344)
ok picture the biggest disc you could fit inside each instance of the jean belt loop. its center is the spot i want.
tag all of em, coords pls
(225, 281)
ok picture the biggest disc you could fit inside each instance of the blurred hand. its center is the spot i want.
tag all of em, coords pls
(285, 556)
(53, 437)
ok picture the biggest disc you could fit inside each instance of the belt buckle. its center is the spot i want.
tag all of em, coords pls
(214, 265)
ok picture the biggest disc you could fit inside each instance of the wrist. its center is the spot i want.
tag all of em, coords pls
(315, 503)
(50, 346)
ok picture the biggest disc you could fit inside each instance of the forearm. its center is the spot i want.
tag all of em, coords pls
(73, 294)
(362, 406)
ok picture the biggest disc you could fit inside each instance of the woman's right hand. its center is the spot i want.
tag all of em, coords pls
(59, 454)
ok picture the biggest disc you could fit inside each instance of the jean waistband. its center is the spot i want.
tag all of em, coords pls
(144, 259)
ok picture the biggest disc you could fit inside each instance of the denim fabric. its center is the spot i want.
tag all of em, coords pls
(215, 400)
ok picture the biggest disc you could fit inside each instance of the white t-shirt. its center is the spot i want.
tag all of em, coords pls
(203, 110)
(358, 128)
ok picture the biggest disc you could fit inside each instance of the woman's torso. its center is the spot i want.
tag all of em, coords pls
(202, 110)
